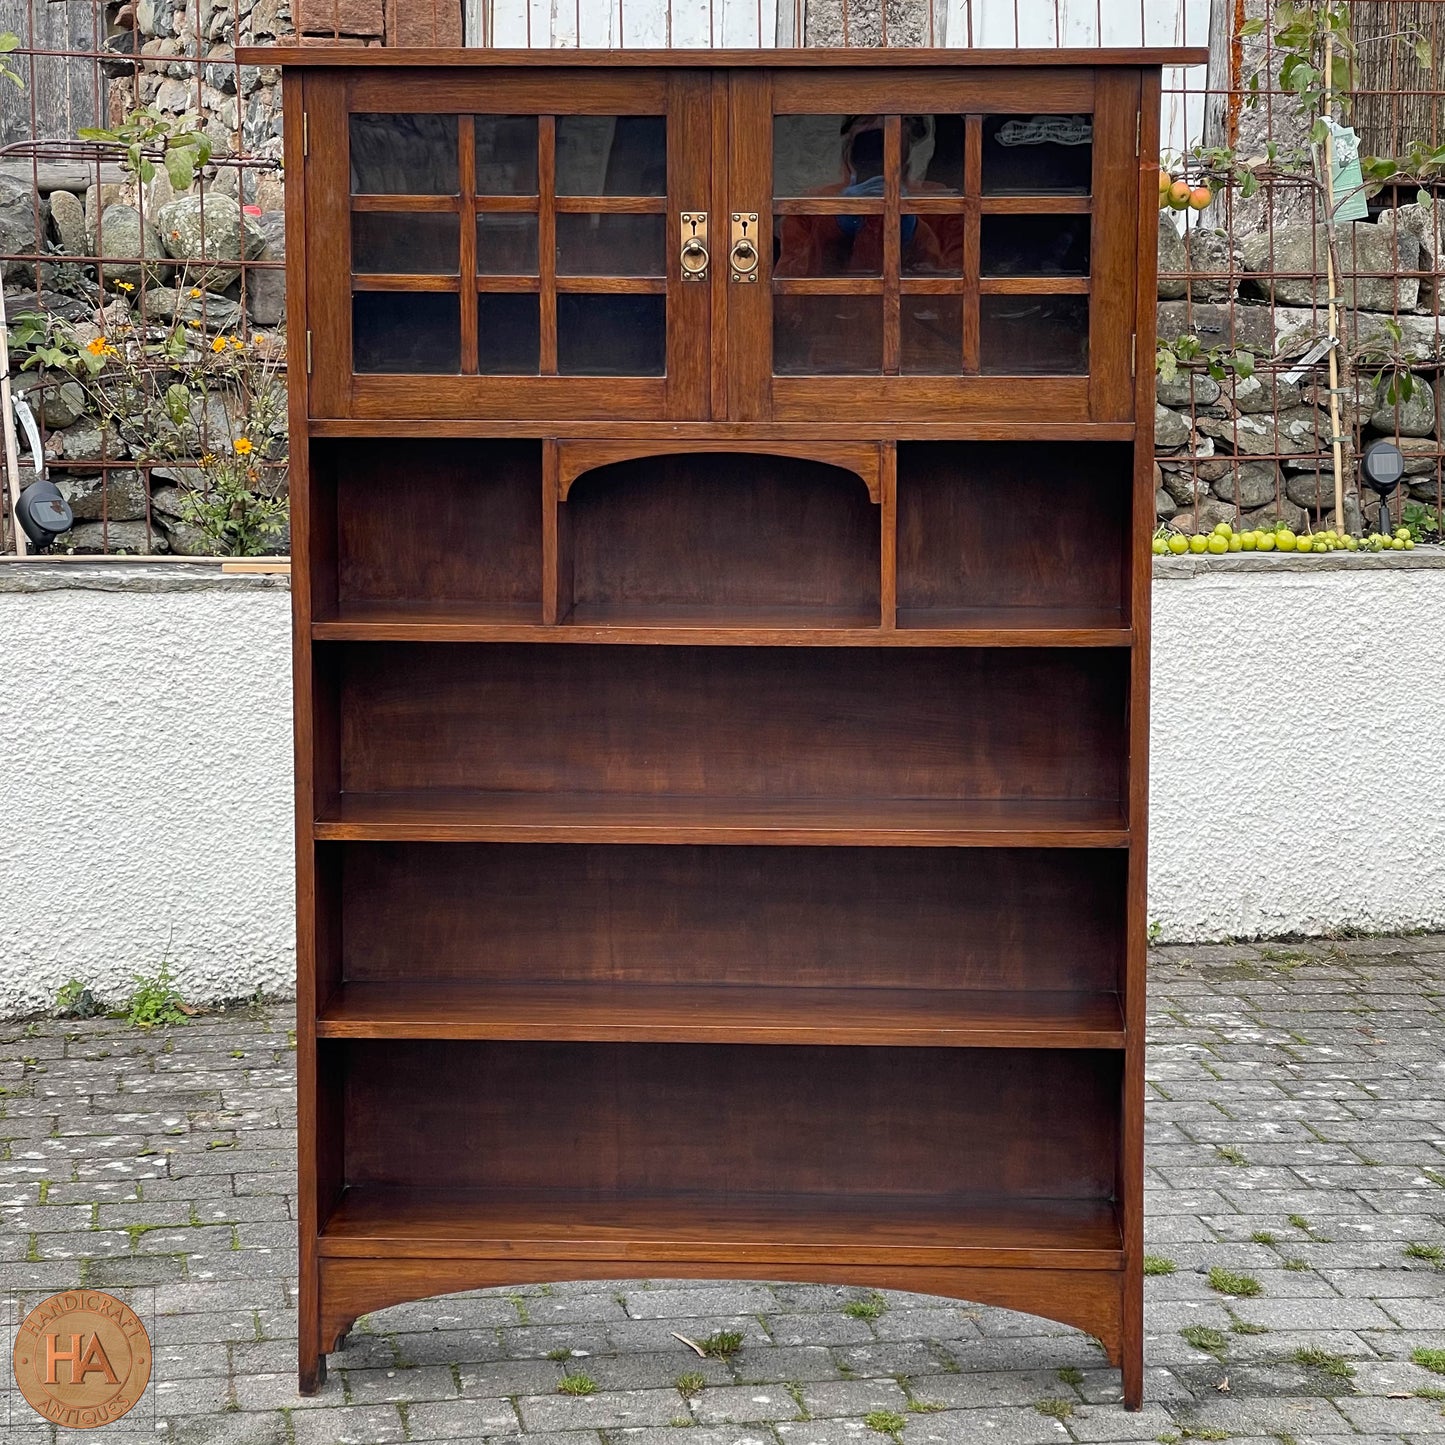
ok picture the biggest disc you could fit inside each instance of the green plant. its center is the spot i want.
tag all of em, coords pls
(1190, 353)
(146, 136)
(1263, 1236)
(1226, 1281)
(868, 1309)
(73, 1000)
(1206, 1338)
(1435, 1253)
(559, 1354)
(885, 1422)
(213, 410)
(1055, 1409)
(690, 1383)
(1297, 1266)
(1432, 1360)
(154, 1000)
(1422, 520)
(1314, 1358)
(1231, 1155)
(1156, 932)
(1070, 1375)
(1158, 1264)
(576, 1385)
(722, 1343)
(1430, 1392)
(1238, 1326)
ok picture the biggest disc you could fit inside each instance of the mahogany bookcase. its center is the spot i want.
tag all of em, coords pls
(721, 496)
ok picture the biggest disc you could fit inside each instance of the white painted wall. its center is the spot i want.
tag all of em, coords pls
(145, 787)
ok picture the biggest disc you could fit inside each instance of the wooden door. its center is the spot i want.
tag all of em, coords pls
(507, 245)
(934, 245)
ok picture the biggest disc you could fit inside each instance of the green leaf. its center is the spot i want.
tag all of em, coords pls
(181, 168)
(178, 403)
(1251, 28)
(1166, 364)
(1424, 200)
(1250, 185)
(8, 42)
(1242, 363)
(1423, 53)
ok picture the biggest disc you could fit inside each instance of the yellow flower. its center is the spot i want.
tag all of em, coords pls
(193, 323)
(219, 344)
(242, 445)
(238, 343)
(124, 286)
(209, 459)
(96, 347)
(195, 293)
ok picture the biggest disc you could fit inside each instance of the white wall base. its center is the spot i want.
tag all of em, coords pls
(145, 791)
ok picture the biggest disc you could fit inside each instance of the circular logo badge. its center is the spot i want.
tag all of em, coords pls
(82, 1359)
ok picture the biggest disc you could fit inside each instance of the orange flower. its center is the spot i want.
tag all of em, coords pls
(96, 347)
(243, 446)
(219, 344)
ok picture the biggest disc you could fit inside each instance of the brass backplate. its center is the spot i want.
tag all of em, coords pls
(743, 254)
(693, 236)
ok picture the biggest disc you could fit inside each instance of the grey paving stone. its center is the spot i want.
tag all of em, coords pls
(660, 1304)
(749, 1404)
(606, 1410)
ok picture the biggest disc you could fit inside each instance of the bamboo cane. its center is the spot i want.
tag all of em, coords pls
(1332, 320)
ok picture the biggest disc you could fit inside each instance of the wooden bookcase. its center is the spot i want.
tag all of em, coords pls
(720, 761)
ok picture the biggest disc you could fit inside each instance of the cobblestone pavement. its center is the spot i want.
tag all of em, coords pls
(1296, 1171)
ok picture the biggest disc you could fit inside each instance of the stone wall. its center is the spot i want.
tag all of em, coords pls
(1259, 448)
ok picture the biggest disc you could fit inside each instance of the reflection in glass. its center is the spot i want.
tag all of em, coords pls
(406, 331)
(930, 335)
(506, 155)
(506, 245)
(610, 245)
(827, 335)
(840, 155)
(606, 335)
(404, 243)
(611, 155)
(1038, 155)
(509, 330)
(1034, 245)
(853, 245)
(403, 155)
(1033, 335)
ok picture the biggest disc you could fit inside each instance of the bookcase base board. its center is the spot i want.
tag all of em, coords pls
(1097, 1301)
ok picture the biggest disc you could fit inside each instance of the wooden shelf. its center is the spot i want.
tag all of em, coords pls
(773, 627)
(373, 1221)
(720, 1014)
(481, 817)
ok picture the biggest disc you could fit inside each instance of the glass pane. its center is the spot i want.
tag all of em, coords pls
(416, 243)
(611, 335)
(833, 155)
(506, 155)
(611, 155)
(931, 335)
(934, 148)
(828, 245)
(509, 330)
(932, 245)
(1033, 335)
(827, 335)
(1037, 155)
(506, 245)
(403, 155)
(590, 245)
(410, 331)
(1034, 245)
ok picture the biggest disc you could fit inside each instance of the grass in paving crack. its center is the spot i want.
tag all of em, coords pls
(1070, 1375)
(1158, 1264)
(576, 1385)
(1296, 1266)
(885, 1422)
(1305, 1227)
(1238, 1326)
(1434, 1176)
(559, 1354)
(1226, 1281)
(1055, 1409)
(867, 1309)
(155, 1001)
(1263, 1236)
(1206, 1338)
(1314, 1358)
(691, 1383)
(1430, 1392)
(1433, 1252)
(1231, 1155)
(1432, 1360)
(722, 1343)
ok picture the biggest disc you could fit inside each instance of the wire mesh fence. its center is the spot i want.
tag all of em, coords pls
(141, 197)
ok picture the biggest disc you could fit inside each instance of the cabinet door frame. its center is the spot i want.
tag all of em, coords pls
(1103, 392)
(336, 390)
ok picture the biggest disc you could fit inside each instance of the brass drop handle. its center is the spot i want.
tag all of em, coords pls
(694, 257)
(743, 258)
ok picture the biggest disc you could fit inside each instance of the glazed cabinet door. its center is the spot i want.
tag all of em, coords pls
(933, 245)
(508, 245)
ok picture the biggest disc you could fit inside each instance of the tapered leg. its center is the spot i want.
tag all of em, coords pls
(311, 1374)
(1133, 1344)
